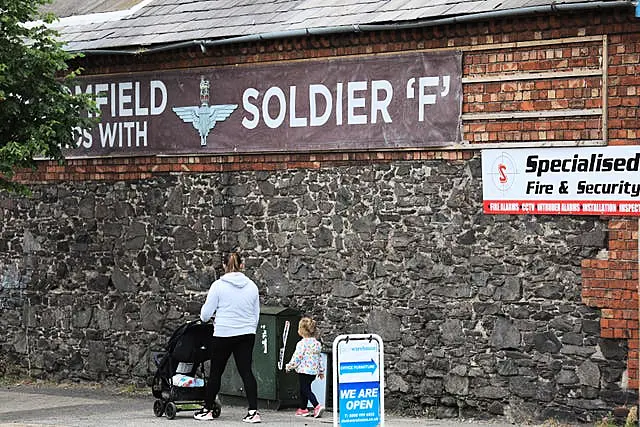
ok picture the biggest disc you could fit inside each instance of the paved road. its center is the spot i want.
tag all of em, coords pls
(31, 406)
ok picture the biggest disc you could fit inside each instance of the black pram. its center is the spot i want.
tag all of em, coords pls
(180, 381)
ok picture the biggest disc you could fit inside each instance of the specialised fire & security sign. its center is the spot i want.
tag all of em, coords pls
(566, 181)
(386, 101)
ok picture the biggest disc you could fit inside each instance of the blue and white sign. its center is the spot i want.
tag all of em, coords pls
(358, 380)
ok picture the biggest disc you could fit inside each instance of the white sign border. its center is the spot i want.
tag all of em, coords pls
(335, 363)
(561, 181)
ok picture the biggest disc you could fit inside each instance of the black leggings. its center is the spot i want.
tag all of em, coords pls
(305, 391)
(222, 348)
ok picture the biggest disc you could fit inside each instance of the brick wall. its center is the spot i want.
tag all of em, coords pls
(558, 89)
(489, 49)
(133, 168)
(609, 284)
(624, 88)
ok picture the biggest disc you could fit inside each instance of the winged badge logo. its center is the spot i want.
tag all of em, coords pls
(204, 117)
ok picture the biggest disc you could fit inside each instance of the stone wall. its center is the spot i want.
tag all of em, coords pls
(481, 315)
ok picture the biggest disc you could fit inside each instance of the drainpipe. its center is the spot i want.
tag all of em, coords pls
(357, 28)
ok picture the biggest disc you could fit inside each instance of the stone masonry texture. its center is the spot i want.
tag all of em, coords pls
(480, 314)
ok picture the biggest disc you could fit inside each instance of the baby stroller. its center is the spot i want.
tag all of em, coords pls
(180, 380)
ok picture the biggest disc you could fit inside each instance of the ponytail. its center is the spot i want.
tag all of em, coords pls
(232, 262)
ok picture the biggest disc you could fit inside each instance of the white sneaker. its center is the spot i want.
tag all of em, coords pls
(204, 415)
(252, 418)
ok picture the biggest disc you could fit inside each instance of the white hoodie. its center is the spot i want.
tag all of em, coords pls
(234, 300)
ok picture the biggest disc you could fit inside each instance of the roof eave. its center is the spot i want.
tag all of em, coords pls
(356, 28)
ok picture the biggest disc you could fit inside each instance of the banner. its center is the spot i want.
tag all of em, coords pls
(562, 181)
(348, 103)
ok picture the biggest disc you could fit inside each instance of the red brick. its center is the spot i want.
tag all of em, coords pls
(606, 333)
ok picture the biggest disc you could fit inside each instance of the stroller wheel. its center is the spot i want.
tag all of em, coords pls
(215, 412)
(158, 408)
(170, 410)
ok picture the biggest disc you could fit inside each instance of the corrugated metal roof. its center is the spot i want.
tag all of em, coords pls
(103, 25)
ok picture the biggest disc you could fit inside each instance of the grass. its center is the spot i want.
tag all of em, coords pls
(610, 421)
(126, 390)
(134, 390)
(552, 422)
(632, 417)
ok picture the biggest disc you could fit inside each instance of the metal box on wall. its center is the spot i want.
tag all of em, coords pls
(276, 340)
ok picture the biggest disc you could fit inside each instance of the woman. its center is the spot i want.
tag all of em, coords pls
(234, 301)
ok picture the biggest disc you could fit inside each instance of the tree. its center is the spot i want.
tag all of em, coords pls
(38, 113)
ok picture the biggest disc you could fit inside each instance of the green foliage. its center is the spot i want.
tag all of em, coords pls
(632, 417)
(552, 422)
(607, 421)
(37, 110)
(134, 390)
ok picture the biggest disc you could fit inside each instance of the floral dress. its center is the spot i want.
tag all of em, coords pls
(306, 357)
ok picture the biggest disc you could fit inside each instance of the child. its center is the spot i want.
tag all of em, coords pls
(307, 363)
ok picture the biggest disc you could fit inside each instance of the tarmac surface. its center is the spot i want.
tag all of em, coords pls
(70, 406)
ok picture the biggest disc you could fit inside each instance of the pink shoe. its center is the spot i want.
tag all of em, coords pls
(318, 410)
(302, 413)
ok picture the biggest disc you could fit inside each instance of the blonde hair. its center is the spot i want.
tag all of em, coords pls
(232, 263)
(307, 327)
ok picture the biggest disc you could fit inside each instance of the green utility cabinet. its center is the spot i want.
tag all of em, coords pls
(276, 340)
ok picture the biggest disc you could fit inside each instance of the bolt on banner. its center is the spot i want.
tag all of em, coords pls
(562, 181)
(358, 380)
